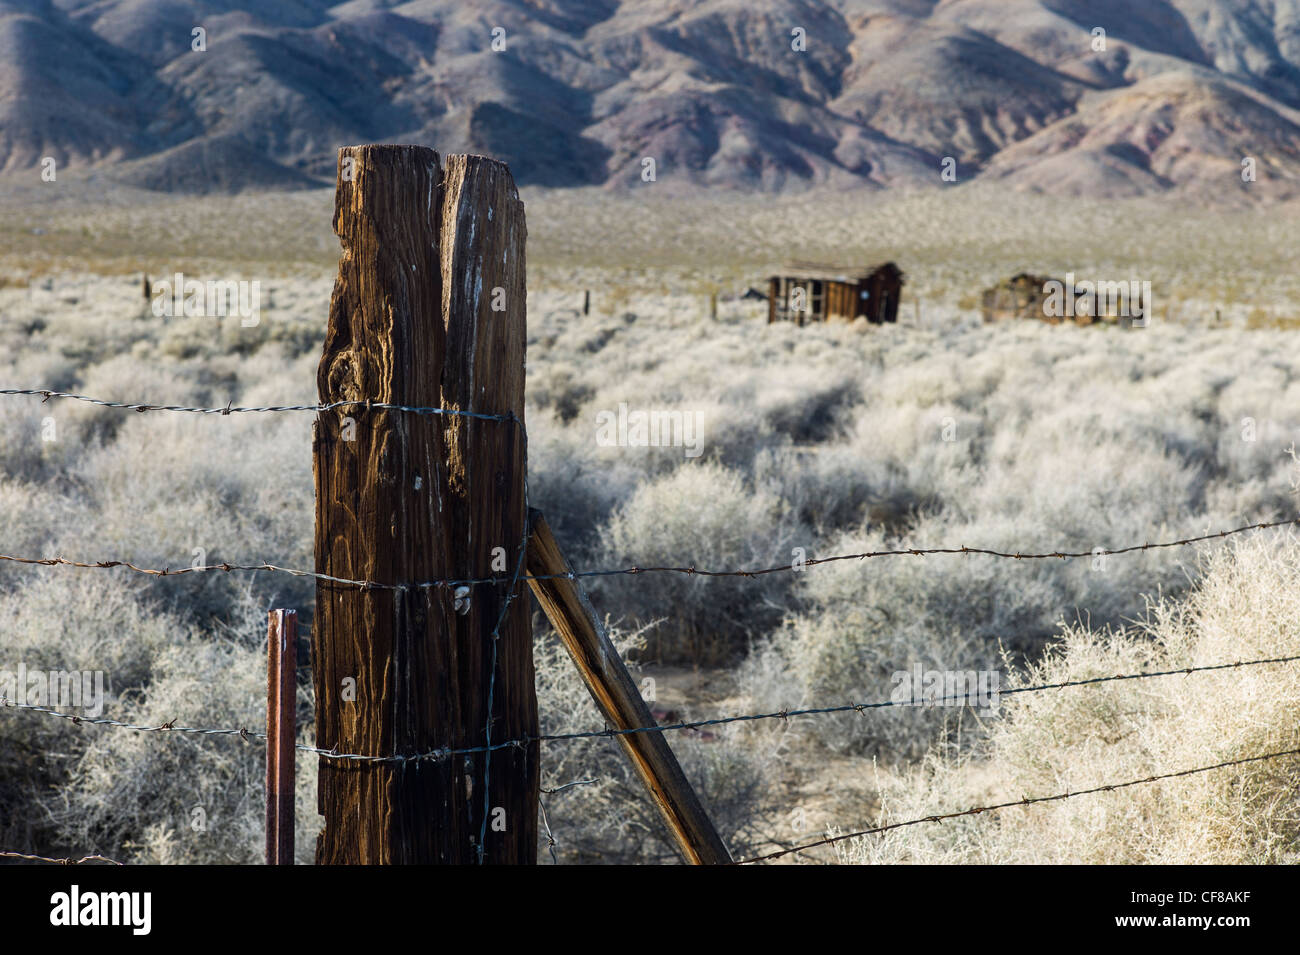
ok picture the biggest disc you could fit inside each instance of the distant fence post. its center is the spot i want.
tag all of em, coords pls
(281, 733)
(427, 310)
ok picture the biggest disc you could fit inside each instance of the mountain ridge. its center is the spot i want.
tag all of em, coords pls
(883, 94)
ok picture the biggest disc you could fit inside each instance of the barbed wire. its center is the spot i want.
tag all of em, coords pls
(631, 571)
(1023, 801)
(925, 551)
(885, 704)
(168, 727)
(787, 714)
(842, 837)
(367, 404)
(546, 822)
(550, 836)
(7, 854)
(230, 568)
(577, 782)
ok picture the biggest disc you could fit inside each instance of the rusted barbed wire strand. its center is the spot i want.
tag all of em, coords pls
(842, 837)
(546, 822)
(441, 754)
(168, 727)
(227, 568)
(885, 704)
(140, 406)
(925, 551)
(576, 782)
(1023, 801)
(6, 854)
(550, 836)
(630, 571)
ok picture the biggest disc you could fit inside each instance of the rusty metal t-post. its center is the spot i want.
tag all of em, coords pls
(281, 732)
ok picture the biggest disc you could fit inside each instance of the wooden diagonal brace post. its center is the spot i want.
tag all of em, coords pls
(618, 699)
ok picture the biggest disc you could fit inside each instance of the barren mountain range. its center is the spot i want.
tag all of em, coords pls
(761, 95)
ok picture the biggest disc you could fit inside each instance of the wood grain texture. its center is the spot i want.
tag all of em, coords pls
(618, 699)
(419, 497)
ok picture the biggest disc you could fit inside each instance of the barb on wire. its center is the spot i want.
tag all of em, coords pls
(550, 836)
(445, 753)
(6, 854)
(630, 571)
(1023, 801)
(546, 822)
(46, 395)
(576, 782)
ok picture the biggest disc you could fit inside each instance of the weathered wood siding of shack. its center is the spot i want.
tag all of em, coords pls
(872, 295)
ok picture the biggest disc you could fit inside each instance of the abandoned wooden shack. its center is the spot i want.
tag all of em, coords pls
(1021, 296)
(1054, 301)
(809, 293)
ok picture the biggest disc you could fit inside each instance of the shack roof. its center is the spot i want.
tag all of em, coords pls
(835, 273)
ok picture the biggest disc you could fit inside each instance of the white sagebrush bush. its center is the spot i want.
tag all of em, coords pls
(171, 491)
(700, 515)
(861, 622)
(1247, 606)
(34, 513)
(175, 797)
(575, 483)
(68, 621)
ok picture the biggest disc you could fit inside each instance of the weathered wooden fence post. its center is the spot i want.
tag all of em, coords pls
(281, 733)
(427, 310)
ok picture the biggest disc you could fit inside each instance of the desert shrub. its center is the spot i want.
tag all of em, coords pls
(64, 622)
(700, 515)
(862, 622)
(576, 484)
(1014, 441)
(169, 490)
(1247, 606)
(148, 797)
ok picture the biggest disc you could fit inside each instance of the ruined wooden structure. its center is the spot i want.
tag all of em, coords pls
(1019, 297)
(1056, 301)
(810, 293)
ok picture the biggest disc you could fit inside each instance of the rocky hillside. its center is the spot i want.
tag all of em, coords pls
(735, 94)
